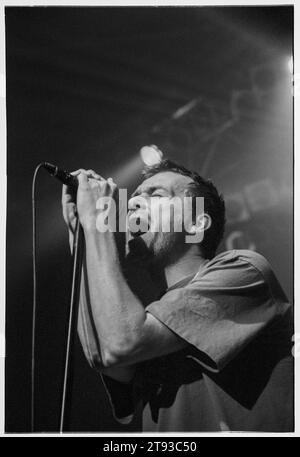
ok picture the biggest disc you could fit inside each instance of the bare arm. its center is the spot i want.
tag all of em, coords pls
(89, 339)
(86, 329)
(127, 334)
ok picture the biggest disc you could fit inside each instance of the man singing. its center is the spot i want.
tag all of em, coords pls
(213, 351)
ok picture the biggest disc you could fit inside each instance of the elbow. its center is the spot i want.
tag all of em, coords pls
(118, 355)
(110, 359)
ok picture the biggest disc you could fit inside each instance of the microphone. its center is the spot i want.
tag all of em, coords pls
(63, 176)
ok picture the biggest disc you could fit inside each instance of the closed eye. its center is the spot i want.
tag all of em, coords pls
(159, 192)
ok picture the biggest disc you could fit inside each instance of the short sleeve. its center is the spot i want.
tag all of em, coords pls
(227, 304)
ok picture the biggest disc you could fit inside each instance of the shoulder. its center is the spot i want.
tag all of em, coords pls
(237, 280)
(236, 268)
(235, 258)
(243, 255)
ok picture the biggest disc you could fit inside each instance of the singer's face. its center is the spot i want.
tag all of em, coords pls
(152, 219)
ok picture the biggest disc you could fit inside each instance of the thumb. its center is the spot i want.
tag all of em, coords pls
(83, 179)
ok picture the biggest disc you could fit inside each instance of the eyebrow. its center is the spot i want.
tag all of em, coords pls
(149, 189)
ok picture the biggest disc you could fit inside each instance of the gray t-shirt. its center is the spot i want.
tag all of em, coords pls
(237, 372)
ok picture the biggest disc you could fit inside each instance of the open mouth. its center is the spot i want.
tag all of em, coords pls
(137, 234)
(137, 225)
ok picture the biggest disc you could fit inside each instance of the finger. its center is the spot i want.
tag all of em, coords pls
(70, 211)
(68, 195)
(96, 183)
(65, 193)
(77, 172)
(112, 183)
(89, 172)
(94, 174)
(83, 179)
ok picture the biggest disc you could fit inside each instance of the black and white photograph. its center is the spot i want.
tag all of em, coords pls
(150, 219)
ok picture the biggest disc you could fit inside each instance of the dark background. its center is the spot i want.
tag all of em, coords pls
(88, 87)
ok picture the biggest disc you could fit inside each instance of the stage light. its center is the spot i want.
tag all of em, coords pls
(291, 64)
(151, 155)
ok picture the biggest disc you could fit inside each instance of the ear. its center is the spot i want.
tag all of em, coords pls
(196, 230)
(203, 222)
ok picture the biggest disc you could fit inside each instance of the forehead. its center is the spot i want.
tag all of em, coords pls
(173, 182)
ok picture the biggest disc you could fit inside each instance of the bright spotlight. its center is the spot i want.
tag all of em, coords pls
(291, 64)
(151, 155)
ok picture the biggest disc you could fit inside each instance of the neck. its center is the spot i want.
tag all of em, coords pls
(186, 265)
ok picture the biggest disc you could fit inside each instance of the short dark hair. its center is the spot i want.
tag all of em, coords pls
(213, 202)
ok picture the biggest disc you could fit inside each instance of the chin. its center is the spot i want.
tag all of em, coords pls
(139, 247)
(154, 247)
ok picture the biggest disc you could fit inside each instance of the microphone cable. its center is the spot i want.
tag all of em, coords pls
(34, 273)
(70, 180)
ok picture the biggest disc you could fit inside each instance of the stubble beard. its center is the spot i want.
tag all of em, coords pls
(164, 248)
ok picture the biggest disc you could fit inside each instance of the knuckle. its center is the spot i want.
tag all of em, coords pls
(77, 172)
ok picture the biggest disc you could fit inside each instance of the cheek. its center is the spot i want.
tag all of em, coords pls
(173, 218)
(154, 210)
(166, 218)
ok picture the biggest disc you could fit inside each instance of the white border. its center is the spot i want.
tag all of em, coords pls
(3, 199)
